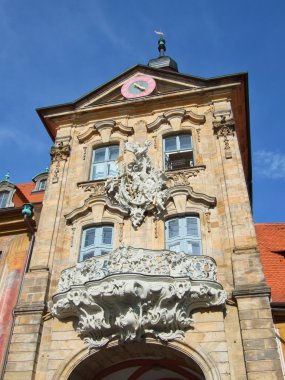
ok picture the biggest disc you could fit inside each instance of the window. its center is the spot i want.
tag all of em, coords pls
(183, 235)
(178, 152)
(42, 185)
(96, 240)
(4, 195)
(104, 162)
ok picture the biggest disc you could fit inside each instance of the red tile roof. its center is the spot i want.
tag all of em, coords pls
(271, 242)
(24, 191)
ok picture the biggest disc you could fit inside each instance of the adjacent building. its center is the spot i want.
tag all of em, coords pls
(20, 207)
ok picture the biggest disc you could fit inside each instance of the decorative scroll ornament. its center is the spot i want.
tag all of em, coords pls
(132, 292)
(224, 126)
(138, 187)
(59, 152)
(182, 177)
(96, 188)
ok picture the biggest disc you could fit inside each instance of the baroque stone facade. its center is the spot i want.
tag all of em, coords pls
(157, 188)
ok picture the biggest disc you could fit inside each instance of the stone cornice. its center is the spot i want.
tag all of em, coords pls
(163, 97)
(251, 291)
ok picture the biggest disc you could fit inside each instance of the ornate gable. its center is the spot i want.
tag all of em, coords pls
(111, 92)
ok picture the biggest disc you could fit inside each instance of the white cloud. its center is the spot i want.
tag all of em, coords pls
(22, 141)
(106, 27)
(269, 164)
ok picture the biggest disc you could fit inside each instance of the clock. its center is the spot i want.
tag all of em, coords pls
(140, 85)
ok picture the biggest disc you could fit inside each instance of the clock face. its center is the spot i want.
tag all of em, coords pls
(141, 85)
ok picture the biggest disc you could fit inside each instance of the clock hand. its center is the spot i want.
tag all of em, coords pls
(139, 86)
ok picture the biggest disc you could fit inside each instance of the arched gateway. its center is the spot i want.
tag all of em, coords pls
(148, 360)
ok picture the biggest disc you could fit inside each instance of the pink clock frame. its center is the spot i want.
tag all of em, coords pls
(151, 85)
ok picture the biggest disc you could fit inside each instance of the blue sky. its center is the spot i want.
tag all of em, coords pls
(56, 51)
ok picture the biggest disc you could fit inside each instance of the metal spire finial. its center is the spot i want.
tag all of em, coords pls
(7, 177)
(161, 43)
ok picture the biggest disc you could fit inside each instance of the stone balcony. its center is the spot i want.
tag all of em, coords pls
(132, 292)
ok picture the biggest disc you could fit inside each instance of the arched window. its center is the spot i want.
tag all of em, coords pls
(178, 152)
(104, 162)
(4, 195)
(183, 235)
(96, 240)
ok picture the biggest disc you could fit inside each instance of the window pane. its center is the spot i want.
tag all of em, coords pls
(99, 155)
(170, 144)
(185, 142)
(113, 153)
(88, 255)
(42, 184)
(107, 235)
(99, 171)
(112, 169)
(89, 237)
(193, 248)
(192, 227)
(3, 198)
(175, 247)
(173, 226)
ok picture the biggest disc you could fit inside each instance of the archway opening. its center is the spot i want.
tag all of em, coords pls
(137, 361)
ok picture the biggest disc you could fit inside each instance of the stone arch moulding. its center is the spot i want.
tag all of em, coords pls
(104, 128)
(86, 208)
(187, 192)
(193, 352)
(174, 118)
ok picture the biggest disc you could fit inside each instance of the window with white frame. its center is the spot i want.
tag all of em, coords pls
(104, 162)
(42, 184)
(4, 196)
(183, 235)
(178, 152)
(96, 240)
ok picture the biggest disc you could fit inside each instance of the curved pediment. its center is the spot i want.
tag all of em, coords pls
(91, 201)
(106, 125)
(174, 118)
(189, 193)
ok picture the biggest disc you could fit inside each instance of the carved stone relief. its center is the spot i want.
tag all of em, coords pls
(132, 292)
(59, 152)
(138, 187)
(95, 188)
(224, 126)
(182, 177)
